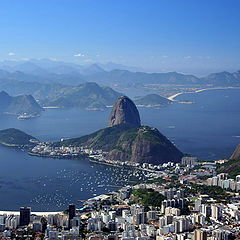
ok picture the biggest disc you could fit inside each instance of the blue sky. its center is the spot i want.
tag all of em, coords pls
(156, 35)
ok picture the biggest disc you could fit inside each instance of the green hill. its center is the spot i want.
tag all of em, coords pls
(15, 138)
(87, 95)
(152, 100)
(126, 143)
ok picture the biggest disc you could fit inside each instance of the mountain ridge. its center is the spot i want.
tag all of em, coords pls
(70, 73)
(17, 105)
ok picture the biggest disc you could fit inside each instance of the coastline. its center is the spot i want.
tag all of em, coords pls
(172, 97)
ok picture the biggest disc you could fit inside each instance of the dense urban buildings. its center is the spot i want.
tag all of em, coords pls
(183, 201)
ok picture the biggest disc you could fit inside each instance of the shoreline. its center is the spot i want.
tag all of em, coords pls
(172, 97)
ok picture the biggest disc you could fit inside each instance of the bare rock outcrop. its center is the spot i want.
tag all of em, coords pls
(124, 111)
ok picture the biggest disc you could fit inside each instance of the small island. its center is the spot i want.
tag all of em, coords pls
(152, 100)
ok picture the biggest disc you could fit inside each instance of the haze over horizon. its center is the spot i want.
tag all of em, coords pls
(159, 36)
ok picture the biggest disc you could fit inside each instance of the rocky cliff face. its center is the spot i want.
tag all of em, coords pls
(236, 153)
(124, 111)
(145, 145)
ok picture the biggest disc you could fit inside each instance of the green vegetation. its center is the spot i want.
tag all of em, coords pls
(152, 135)
(125, 142)
(105, 139)
(214, 192)
(148, 197)
(157, 180)
(14, 138)
(232, 167)
(88, 95)
(152, 100)
(157, 144)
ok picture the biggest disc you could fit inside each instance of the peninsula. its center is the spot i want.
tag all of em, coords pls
(12, 137)
(125, 140)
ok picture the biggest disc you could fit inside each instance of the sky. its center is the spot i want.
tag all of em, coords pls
(188, 36)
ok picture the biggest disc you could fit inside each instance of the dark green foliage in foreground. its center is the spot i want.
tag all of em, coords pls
(148, 197)
(214, 192)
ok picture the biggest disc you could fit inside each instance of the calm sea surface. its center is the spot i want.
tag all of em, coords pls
(208, 129)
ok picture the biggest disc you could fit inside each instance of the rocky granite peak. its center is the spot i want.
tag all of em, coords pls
(124, 111)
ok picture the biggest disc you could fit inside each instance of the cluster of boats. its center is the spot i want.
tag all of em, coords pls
(26, 116)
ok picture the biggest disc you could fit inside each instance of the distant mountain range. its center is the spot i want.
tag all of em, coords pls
(43, 66)
(22, 104)
(60, 84)
(110, 74)
(87, 95)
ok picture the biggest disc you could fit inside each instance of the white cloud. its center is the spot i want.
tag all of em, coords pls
(164, 56)
(188, 57)
(11, 54)
(79, 55)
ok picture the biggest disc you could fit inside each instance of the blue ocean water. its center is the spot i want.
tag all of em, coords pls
(209, 129)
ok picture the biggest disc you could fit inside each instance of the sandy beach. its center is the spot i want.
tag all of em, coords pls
(172, 97)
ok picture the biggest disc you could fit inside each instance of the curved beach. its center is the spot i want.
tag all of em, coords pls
(172, 97)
